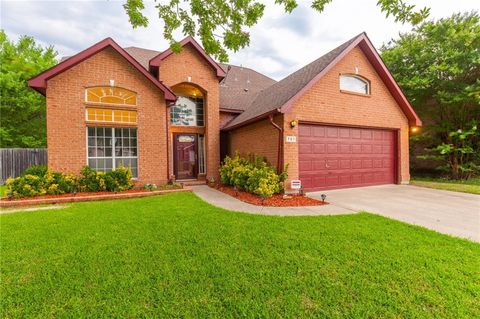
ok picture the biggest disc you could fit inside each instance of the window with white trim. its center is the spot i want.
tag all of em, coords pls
(354, 83)
(111, 147)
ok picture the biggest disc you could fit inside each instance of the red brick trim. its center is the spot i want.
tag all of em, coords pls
(32, 202)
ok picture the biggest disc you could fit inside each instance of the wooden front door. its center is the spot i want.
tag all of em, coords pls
(185, 156)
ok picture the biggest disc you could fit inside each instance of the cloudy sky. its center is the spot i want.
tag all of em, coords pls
(280, 43)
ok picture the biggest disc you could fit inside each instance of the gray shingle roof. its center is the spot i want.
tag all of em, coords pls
(249, 91)
(238, 89)
(281, 92)
(241, 86)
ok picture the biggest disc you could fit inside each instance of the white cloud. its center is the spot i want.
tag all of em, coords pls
(280, 43)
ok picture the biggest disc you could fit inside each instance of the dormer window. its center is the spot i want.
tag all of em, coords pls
(355, 84)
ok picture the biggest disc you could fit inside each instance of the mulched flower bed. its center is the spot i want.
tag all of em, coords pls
(276, 200)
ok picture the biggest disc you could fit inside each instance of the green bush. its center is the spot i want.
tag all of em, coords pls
(37, 181)
(253, 175)
(93, 181)
(119, 179)
(37, 170)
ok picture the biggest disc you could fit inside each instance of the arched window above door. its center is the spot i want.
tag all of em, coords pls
(189, 107)
(110, 95)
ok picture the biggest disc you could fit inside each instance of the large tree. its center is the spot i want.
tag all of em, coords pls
(22, 110)
(437, 64)
(224, 24)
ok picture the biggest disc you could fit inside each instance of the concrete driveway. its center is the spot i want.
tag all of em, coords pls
(447, 212)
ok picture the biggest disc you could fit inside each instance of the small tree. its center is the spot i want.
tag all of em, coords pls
(438, 67)
(460, 155)
(22, 110)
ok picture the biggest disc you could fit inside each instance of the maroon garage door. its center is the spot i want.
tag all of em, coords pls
(336, 157)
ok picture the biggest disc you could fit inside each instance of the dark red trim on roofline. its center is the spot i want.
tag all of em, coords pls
(227, 110)
(252, 120)
(365, 44)
(154, 63)
(39, 82)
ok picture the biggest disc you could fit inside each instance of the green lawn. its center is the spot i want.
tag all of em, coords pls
(470, 186)
(176, 256)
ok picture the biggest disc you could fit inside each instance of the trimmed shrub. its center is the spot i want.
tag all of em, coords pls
(41, 182)
(93, 181)
(253, 175)
(119, 179)
(37, 170)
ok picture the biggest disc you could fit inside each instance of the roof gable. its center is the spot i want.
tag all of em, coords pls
(155, 62)
(280, 96)
(39, 82)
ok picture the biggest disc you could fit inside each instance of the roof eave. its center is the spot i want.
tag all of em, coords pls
(250, 121)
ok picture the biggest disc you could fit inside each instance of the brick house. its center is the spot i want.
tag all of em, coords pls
(340, 121)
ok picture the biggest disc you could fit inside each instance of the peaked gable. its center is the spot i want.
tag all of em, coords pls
(281, 96)
(39, 82)
(155, 62)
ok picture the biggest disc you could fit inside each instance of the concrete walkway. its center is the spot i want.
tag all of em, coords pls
(225, 201)
(447, 212)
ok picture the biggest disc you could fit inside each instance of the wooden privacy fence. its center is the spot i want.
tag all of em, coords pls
(13, 161)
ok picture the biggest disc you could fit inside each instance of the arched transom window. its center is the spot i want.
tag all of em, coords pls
(188, 109)
(354, 83)
(111, 95)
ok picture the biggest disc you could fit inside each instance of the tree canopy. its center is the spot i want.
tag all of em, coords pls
(224, 24)
(437, 65)
(22, 110)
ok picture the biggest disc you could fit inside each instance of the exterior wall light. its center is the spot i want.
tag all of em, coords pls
(293, 124)
(414, 129)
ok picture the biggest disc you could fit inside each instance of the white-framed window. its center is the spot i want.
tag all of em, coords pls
(110, 147)
(201, 154)
(354, 83)
(187, 111)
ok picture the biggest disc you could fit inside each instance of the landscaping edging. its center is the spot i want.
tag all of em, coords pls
(5, 203)
(277, 200)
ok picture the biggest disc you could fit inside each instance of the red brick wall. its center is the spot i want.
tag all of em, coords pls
(324, 103)
(66, 125)
(259, 138)
(177, 68)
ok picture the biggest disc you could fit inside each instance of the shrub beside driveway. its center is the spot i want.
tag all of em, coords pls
(176, 256)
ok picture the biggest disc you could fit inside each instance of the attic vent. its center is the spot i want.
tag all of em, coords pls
(245, 89)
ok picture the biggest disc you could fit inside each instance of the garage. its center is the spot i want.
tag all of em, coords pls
(339, 157)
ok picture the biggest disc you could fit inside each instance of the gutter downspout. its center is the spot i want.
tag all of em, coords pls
(167, 122)
(280, 144)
